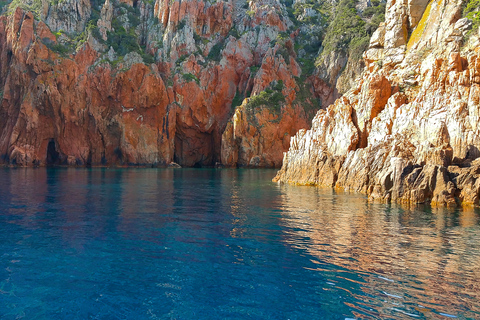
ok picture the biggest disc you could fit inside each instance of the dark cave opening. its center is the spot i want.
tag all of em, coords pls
(53, 157)
(195, 149)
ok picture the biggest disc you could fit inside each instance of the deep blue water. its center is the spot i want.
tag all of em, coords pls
(224, 244)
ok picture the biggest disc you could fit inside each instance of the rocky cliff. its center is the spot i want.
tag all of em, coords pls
(116, 82)
(408, 130)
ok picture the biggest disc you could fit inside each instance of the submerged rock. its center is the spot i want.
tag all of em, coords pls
(174, 165)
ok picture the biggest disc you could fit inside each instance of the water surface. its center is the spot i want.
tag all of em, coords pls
(224, 244)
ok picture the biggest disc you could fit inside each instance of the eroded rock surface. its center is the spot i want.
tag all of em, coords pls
(78, 90)
(117, 82)
(408, 131)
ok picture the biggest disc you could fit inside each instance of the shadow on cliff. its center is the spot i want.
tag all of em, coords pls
(195, 148)
(53, 156)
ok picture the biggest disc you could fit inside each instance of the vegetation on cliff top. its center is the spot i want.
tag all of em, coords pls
(271, 98)
(35, 6)
(321, 26)
(350, 31)
(472, 11)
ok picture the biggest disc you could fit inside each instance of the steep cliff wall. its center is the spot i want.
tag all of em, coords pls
(64, 110)
(115, 82)
(408, 131)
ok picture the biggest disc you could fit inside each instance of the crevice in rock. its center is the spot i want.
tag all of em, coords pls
(119, 154)
(53, 156)
(178, 148)
(354, 118)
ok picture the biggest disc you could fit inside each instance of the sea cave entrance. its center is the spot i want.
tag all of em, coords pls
(196, 149)
(53, 156)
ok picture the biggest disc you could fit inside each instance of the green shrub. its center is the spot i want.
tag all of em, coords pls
(35, 6)
(357, 47)
(470, 8)
(237, 100)
(471, 11)
(97, 4)
(96, 33)
(308, 67)
(346, 25)
(122, 41)
(234, 33)
(147, 57)
(348, 32)
(271, 98)
(181, 24)
(190, 77)
(305, 98)
(312, 48)
(63, 49)
(282, 37)
(322, 7)
(374, 10)
(134, 19)
(197, 38)
(181, 59)
(129, 9)
(215, 53)
(284, 53)
(3, 4)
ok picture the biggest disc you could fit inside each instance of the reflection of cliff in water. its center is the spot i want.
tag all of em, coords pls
(416, 261)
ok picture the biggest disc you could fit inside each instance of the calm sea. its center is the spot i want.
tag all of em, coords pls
(224, 244)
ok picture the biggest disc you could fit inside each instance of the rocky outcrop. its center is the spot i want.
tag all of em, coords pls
(340, 62)
(105, 22)
(110, 83)
(408, 131)
(59, 111)
(118, 82)
(259, 131)
(70, 16)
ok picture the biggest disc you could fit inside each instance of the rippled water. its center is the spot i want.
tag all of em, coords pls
(218, 244)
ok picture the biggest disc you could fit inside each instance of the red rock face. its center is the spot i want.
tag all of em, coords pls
(96, 115)
(79, 109)
(206, 20)
(257, 137)
(84, 114)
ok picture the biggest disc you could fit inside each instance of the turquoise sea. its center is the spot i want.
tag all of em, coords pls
(225, 244)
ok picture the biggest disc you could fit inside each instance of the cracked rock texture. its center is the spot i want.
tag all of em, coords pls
(141, 82)
(408, 131)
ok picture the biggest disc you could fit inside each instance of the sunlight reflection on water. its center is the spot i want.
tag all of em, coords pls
(216, 244)
(414, 261)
